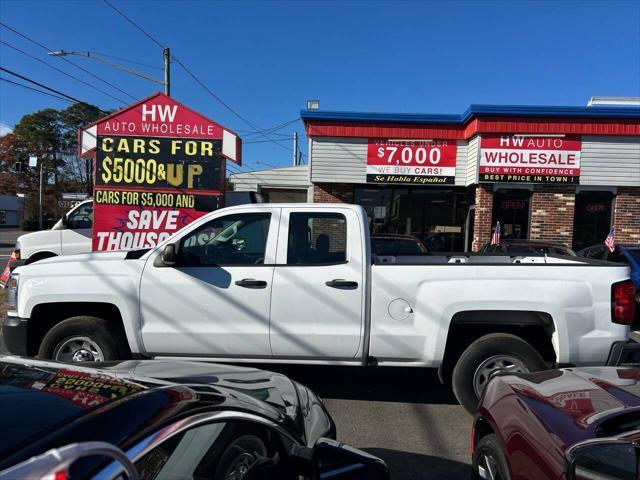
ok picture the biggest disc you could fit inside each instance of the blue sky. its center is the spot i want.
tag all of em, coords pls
(265, 59)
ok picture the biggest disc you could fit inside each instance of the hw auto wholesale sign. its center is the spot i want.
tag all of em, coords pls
(411, 161)
(530, 159)
(158, 166)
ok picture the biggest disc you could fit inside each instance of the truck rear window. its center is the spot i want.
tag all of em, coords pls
(317, 238)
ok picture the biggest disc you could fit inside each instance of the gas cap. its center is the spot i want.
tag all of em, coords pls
(399, 309)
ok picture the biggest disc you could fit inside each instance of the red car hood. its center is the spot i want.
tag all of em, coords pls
(573, 403)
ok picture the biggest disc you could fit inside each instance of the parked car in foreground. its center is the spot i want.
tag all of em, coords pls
(297, 283)
(526, 247)
(396, 244)
(172, 420)
(574, 423)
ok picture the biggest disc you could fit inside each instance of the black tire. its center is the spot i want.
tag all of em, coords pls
(494, 344)
(112, 346)
(489, 451)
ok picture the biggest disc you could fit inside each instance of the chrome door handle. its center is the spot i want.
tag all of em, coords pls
(251, 283)
(341, 284)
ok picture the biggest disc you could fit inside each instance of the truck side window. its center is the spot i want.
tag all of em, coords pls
(81, 217)
(317, 239)
(239, 239)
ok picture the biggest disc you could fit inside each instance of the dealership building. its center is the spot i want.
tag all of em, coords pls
(560, 174)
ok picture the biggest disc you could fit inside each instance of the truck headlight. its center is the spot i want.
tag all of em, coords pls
(16, 251)
(12, 294)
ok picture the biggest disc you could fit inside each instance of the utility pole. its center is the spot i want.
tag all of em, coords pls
(167, 72)
(40, 196)
(295, 149)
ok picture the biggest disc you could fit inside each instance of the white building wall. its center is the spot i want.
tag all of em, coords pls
(338, 160)
(461, 162)
(473, 156)
(344, 160)
(286, 177)
(611, 161)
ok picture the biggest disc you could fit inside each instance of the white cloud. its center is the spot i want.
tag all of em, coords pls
(5, 129)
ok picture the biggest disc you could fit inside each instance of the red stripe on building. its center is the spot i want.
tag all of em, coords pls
(586, 126)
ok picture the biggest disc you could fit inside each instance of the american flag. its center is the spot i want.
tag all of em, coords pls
(609, 241)
(495, 238)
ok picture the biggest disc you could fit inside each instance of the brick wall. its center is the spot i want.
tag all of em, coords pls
(482, 228)
(626, 215)
(332, 192)
(552, 214)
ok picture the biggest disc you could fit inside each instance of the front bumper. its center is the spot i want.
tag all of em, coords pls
(15, 335)
(624, 354)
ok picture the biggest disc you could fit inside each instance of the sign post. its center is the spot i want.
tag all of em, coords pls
(158, 166)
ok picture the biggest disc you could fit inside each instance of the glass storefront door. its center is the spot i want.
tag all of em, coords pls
(591, 218)
(511, 209)
(436, 216)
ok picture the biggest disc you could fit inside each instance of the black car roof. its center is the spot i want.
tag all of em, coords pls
(47, 404)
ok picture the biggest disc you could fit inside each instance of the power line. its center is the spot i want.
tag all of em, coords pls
(208, 90)
(251, 142)
(69, 62)
(280, 126)
(41, 85)
(35, 90)
(193, 76)
(134, 24)
(61, 71)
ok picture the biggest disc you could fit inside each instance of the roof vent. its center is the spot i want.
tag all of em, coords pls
(614, 101)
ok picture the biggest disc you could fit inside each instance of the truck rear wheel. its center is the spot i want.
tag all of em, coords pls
(82, 339)
(496, 352)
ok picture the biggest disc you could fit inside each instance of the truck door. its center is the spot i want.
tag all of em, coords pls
(215, 300)
(75, 236)
(317, 306)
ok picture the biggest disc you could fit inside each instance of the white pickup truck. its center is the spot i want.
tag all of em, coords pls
(71, 234)
(297, 283)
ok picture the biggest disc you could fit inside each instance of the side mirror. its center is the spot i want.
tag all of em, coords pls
(169, 256)
(332, 460)
(602, 458)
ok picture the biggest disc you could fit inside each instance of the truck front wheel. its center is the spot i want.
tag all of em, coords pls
(81, 339)
(496, 352)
